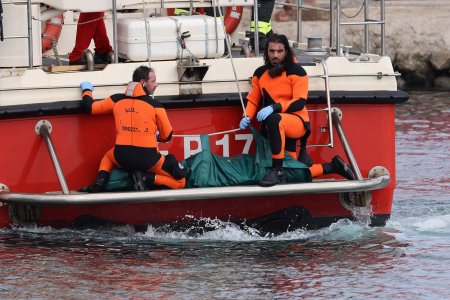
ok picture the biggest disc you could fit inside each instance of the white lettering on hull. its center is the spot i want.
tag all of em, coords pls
(192, 144)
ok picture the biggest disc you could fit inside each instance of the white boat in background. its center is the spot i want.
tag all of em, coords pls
(352, 97)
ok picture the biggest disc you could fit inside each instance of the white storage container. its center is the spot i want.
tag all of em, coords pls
(206, 40)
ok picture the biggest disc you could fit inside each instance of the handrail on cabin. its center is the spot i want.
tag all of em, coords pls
(335, 25)
(336, 13)
(44, 128)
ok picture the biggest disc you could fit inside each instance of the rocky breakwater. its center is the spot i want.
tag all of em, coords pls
(418, 42)
(417, 38)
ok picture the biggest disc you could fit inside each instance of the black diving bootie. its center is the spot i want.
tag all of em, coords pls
(304, 157)
(173, 167)
(340, 167)
(273, 177)
(143, 181)
(99, 184)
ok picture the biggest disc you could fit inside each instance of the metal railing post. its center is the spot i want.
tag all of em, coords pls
(328, 95)
(256, 31)
(332, 25)
(116, 43)
(299, 20)
(346, 145)
(366, 22)
(44, 128)
(30, 35)
(383, 28)
(366, 26)
(338, 28)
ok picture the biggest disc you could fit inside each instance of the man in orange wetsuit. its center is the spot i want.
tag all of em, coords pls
(280, 86)
(141, 122)
(91, 26)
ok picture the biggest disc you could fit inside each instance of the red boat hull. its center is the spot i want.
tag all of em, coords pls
(80, 140)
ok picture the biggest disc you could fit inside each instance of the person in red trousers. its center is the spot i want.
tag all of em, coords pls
(91, 26)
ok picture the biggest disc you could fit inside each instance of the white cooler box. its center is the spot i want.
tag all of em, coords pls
(163, 37)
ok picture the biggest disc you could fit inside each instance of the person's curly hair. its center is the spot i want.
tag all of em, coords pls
(281, 39)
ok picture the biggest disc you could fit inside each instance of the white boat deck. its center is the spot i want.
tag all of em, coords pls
(22, 85)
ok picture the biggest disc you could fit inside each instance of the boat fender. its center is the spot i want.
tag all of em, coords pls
(52, 31)
(232, 17)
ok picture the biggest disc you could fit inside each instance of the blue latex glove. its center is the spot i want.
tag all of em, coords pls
(86, 85)
(264, 113)
(244, 122)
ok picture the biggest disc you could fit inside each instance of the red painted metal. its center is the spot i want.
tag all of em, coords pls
(81, 140)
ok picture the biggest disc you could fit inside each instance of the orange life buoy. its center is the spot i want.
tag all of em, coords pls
(52, 30)
(232, 17)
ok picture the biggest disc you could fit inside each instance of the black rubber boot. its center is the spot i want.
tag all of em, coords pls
(78, 62)
(340, 167)
(173, 167)
(143, 181)
(138, 180)
(99, 185)
(103, 58)
(303, 156)
(273, 177)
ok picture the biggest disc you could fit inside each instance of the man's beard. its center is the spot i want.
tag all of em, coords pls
(276, 70)
(146, 90)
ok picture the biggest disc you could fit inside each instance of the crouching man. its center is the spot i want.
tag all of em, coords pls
(141, 122)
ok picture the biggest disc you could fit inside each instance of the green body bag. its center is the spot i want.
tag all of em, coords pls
(207, 169)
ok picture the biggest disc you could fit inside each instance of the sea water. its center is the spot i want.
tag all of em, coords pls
(407, 259)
